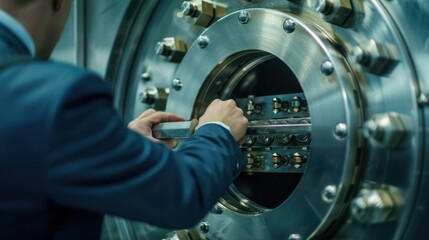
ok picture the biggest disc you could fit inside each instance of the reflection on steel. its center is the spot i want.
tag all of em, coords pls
(278, 127)
(174, 130)
(263, 129)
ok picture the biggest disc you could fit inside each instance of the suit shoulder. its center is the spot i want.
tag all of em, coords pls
(57, 69)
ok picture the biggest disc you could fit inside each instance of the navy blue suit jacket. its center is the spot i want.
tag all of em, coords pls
(66, 158)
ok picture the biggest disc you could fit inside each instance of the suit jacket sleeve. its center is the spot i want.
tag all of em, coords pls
(95, 163)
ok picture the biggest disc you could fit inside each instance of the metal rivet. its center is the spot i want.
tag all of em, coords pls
(146, 76)
(341, 130)
(177, 84)
(327, 68)
(243, 17)
(202, 41)
(204, 227)
(217, 210)
(329, 193)
(423, 99)
(289, 25)
(294, 236)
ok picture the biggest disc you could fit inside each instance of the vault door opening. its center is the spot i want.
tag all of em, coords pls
(267, 90)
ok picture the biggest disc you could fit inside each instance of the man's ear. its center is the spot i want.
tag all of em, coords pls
(57, 4)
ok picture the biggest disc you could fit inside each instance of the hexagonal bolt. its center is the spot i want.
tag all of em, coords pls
(277, 105)
(188, 9)
(149, 95)
(334, 11)
(202, 14)
(173, 49)
(279, 160)
(296, 104)
(253, 161)
(376, 205)
(163, 49)
(250, 107)
(388, 130)
(298, 160)
(155, 96)
(377, 58)
(324, 6)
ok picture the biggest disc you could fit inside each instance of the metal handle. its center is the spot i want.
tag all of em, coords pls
(185, 129)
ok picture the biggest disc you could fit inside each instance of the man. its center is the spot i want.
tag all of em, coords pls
(65, 157)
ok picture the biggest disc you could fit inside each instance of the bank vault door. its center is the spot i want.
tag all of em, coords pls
(341, 74)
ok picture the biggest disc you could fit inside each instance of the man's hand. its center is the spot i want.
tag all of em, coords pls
(144, 123)
(228, 113)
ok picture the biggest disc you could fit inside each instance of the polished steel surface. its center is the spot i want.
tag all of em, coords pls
(357, 70)
(90, 32)
(172, 130)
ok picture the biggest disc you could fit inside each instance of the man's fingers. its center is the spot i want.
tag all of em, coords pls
(162, 117)
(147, 113)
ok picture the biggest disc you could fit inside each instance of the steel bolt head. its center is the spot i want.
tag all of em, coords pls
(188, 9)
(377, 58)
(149, 96)
(177, 84)
(162, 49)
(202, 41)
(341, 130)
(334, 11)
(387, 130)
(204, 227)
(289, 25)
(376, 205)
(329, 193)
(294, 236)
(243, 17)
(360, 209)
(327, 68)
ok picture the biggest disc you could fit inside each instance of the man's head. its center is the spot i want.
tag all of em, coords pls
(43, 19)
